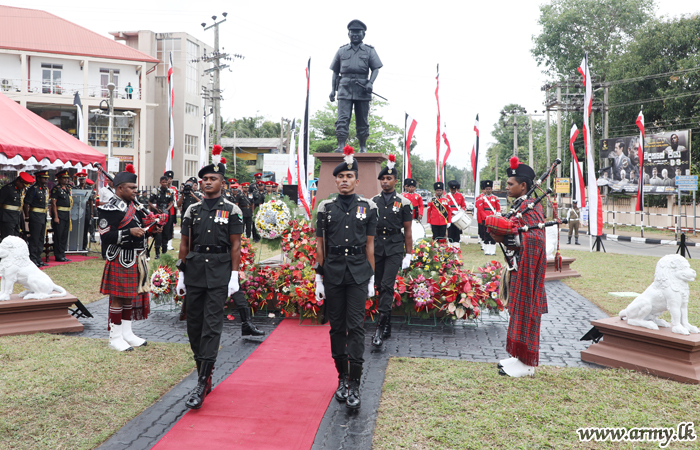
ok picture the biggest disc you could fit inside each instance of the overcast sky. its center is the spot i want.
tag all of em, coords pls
(483, 49)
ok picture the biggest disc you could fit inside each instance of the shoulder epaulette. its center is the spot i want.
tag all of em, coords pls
(234, 207)
(322, 205)
(367, 45)
(404, 200)
(346, 45)
(371, 204)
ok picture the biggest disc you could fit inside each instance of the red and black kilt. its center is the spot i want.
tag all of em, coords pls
(123, 282)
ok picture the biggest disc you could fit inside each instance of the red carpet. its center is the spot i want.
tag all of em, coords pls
(275, 400)
(72, 257)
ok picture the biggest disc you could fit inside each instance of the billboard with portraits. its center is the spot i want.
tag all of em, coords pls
(666, 155)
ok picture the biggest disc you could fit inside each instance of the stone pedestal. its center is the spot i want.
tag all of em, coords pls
(369, 166)
(566, 270)
(19, 316)
(659, 352)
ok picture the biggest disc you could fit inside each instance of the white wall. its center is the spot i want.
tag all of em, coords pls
(10, 68)
(71, 75)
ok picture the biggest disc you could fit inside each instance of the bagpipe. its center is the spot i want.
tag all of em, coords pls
(504, 226)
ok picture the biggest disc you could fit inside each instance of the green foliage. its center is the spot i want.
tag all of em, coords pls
(602, 28)
(664, 46)
(251, 127)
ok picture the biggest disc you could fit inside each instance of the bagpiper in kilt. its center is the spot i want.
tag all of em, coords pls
(123, 227)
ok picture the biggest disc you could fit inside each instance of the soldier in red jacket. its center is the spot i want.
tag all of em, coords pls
(486, 205)
(439, 213)
(454, 233)
(416, 200)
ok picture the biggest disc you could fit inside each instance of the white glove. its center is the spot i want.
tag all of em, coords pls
(448, 225)
(233, 286)
(181, 289)
(406, 263)
(370, 287)
(320, 290)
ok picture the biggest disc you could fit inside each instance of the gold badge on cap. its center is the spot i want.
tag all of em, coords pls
(389, 171)
(216, 168)
(349, 166)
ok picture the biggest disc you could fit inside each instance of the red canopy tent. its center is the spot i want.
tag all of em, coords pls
(29, 142)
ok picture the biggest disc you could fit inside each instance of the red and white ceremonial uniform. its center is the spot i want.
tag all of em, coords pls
(483, 209)
(434, 216)
(417, 203)
(459, 198)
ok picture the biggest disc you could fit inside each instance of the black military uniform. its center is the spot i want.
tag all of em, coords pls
(163, 198)
(36, 200)
(187, 199)
(62, 195)
(258, 199)
(354, 63)
(246, 202)
(12, 200)
(389, 245)
(347, 221)
(208, 225)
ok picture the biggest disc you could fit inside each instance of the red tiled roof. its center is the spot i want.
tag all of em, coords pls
(39, 31)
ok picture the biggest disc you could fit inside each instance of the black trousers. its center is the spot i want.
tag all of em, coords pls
(9, 226)
(386, 267)
(85, 230)
(37, 231)
(60, 234)
(454, 233)
(484, 234)
(439, 232)
(248, 224)
(161, 239)
(205, 319)
(342, 125)
(345, 307)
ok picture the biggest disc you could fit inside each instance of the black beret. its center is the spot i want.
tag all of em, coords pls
(454, 183)
(486, 184)
(357, 25)
(518, 169)
(42, 174)
(388, 171)
(409, 182)
(192, 179)
(62, 174)
(125, 177)
(439, 185)
(169, 174)
(213, 168)
(343, 167)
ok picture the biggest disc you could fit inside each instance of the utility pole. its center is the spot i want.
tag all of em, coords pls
(515, 135)
(559, 129)
(606, 110)
(216, 58)
(530, 160)
(549, 157)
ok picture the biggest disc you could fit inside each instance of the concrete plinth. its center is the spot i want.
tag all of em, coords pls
(659, 352)
(566, 271)
(19, 316)
(369, 166)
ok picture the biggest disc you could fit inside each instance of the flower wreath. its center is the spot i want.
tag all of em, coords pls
(272, 219)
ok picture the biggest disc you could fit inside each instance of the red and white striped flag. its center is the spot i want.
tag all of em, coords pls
(579, 186)
(171, 126)
(292, 155)
(640, 185)
(437, 135)
(447, 153)
(595, 206)
(302, 181)
(409, 128)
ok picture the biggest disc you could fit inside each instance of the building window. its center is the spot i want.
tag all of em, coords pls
(51, 78)
(122, 131)
(191, 168)
(190, 145)
(163, 48)
(192, 110)
(104, 81)
(192, 75)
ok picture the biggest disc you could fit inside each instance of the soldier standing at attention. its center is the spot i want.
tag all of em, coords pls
(486, 205)
(351, 65)
(416, 200)
(124, 228)
(12, 199)
(161, 202)
(395, 212)
(210, 254)
(61, 204)
(35, 210)
(245, 201)
(439, 213)
(345, 229)
(454, 233)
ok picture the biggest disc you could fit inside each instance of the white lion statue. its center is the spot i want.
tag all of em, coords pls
(669, 291)
(16, 267)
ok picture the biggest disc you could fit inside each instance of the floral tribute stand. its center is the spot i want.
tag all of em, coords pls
(163, 283)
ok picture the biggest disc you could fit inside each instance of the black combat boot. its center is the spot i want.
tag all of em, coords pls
(341, 394)
(363, 144)
(248, 328)
(353, 401)
(569, 241)
(379, 333)
(196, 398)
(386, 334)
(577, 241)
(341, 145)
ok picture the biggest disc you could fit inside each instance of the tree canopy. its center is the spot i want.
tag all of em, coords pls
(251, 127)
(602, 28)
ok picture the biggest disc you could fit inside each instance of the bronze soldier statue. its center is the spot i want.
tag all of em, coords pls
(351, 66)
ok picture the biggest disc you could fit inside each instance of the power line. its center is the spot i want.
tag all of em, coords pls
(650, 100)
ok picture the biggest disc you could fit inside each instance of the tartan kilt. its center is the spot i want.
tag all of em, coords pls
(120, 281)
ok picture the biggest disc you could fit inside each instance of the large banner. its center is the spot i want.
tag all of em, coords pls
(666, 155)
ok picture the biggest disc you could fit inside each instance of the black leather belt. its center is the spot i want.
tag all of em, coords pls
(347, 250)
(387, 231)
(212, 248)
(354, 75)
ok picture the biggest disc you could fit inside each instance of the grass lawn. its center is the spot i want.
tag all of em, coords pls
(61, 392)
(439, 404)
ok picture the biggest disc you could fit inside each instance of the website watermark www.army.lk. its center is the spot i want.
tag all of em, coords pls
(683, 432)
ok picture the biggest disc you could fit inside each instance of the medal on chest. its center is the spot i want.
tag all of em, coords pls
(396, 207)
(221, 216)
(361, 212)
